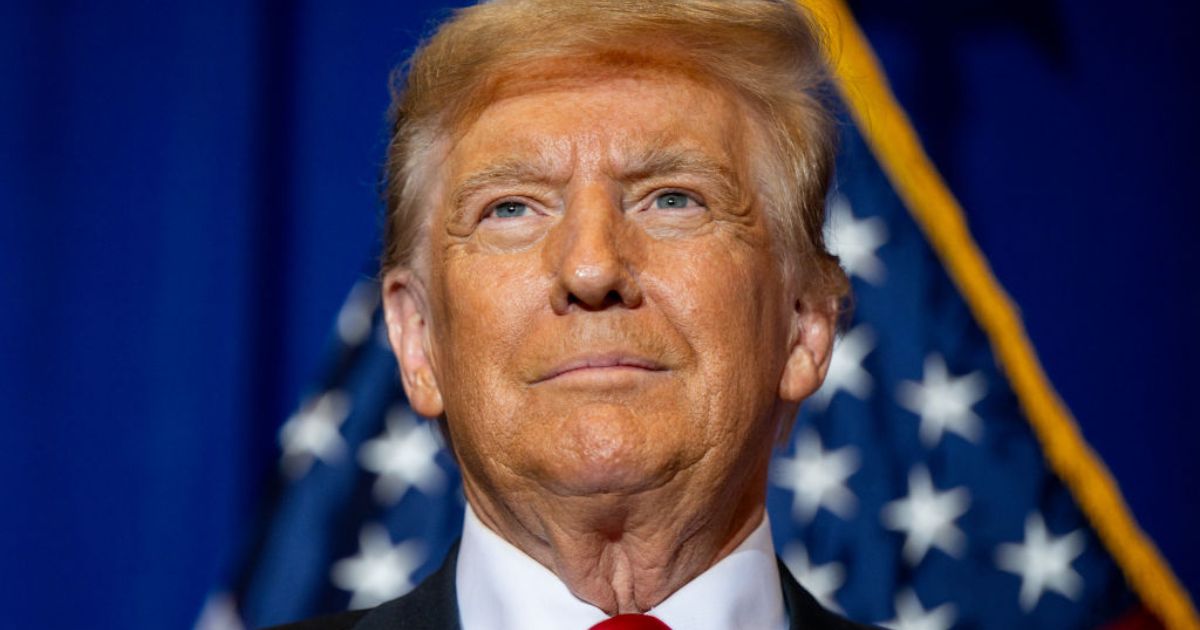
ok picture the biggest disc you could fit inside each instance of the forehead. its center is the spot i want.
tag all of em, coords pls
(614, 121)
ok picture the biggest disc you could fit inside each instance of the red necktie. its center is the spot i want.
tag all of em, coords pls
(631, 622)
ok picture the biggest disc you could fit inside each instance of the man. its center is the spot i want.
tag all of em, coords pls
(604, 275)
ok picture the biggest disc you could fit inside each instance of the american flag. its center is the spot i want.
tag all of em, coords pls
(915, 491)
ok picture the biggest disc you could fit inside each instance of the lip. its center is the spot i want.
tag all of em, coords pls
(594, 363)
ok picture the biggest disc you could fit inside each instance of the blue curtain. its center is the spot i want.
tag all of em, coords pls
(187, 192)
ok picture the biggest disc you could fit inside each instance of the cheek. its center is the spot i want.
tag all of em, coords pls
(488, 306)
(727, 302)
(488, 301)
(727, 297)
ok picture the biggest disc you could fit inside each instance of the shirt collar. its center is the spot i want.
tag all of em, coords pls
(500, 587)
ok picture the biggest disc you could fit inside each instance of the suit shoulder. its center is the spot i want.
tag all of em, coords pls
(806, 612)
(433, 605)
(337, 621)
(816, 616)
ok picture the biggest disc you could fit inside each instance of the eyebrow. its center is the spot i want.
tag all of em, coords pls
(507, 171)
(643, 165)
(669, 161)
(665, 161)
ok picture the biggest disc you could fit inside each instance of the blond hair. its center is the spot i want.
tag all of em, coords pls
(765, 51)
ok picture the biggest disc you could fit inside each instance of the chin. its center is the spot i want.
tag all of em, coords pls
(595, 479)
(608, 450)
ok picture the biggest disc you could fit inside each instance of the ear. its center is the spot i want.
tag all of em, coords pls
(810, 349)
(407, 315)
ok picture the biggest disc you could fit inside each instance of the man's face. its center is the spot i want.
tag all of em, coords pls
(606, 312)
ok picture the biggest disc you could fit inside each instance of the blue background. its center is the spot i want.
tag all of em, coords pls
(188, 191)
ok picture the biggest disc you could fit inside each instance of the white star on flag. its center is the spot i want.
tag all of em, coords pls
(405, 455)
(854, 241)
(1043, 562)
(821, 581)
(845, 368)
(911, 615)
(381, 571)
(219, 613)
(354, 320)
(944, 402)
(927, 517)
(313, 433)
(817, 477)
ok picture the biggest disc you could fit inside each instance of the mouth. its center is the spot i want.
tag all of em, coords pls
(601, 365)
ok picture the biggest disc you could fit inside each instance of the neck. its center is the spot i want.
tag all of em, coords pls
(627, 553)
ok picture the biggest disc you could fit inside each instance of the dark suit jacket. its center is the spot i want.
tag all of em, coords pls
(433, 605)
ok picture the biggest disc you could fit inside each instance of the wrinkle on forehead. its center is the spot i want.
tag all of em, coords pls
(540, 154)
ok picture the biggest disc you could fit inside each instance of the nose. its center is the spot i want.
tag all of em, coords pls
(590, 254)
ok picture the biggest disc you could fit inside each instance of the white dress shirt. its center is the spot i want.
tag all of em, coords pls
(501, 588)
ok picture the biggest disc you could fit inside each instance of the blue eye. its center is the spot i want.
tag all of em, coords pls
(509, 209)
(673, 200)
